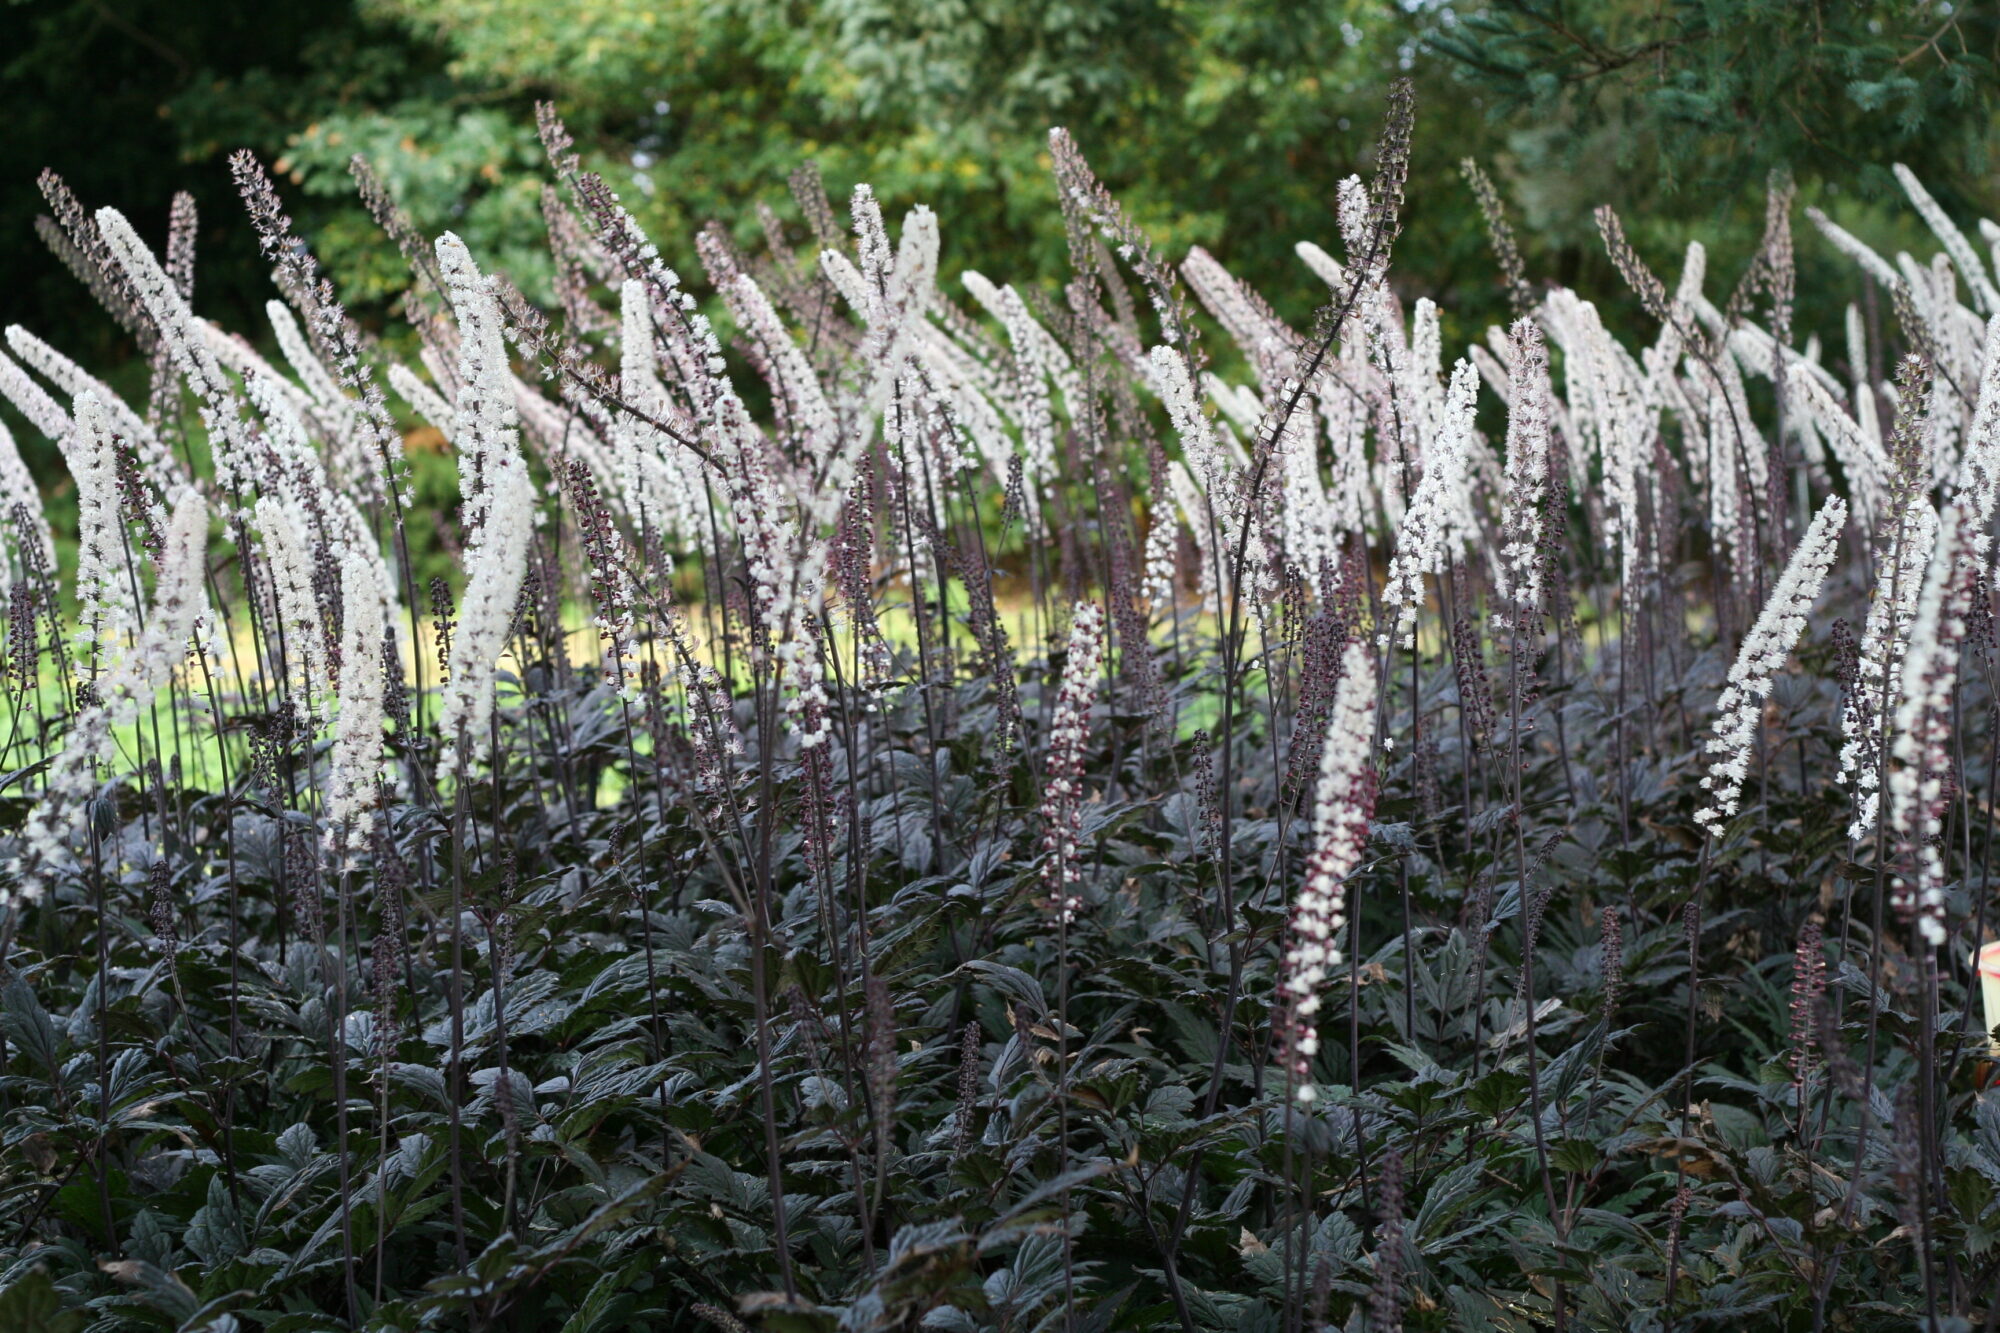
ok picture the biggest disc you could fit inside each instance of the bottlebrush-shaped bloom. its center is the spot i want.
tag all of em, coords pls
(357, 740)
(1426, 537)
(162, 468)
(1343, 803)
(1520, 567)
(1922, 749)
(1885, 640)
(179, 613)
(21, 517)
(297, 633)
(1765, 648)
(499, 506)
(1062, 784)
(105, 597)
(231, 437)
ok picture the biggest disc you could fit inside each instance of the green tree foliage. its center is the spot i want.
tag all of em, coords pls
(1712, 94)
(1227, 124)
(1223, 123)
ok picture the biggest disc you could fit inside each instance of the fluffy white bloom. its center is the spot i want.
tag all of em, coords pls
(32, 400)
(1856, 249)
(120, 694)
(21, 516)
(1765, 648)
(229, 435)
(1198, 443)
(1977, 486)
(107, 601)
(1426, 538)
(1324, 266)
(660, 484)
(161, 467)
(430, 404)
(1856, 447)
(1343, 801)
(1884, 642)
(1062, 782)
(1963, 256)
(1032, 412)
(499, 507)
(1519, 572)
(357, 738)
(351, 444)
(297, 634)
(1265, 341)
(794, 382)
(1922, 746)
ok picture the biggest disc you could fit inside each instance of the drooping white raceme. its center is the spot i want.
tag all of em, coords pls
(1962, 254)
(485, 416)
(1922, 748)
(1884, 642)
(21, 516)
(229, 434)
(1324, 266)
(1428, 535)
(1264, 340)
(294, 472)
(966, 385)
(179, 613)
(357, 739)
(1197, 433)
(1343, 801)
(795, 385)
(32, 401)
(1520, 568)
(1344, 415)
(659, 482)
(429, 403)
(107, 605)
(1062, 780)
(1162, 556)
(351, 449)
(1765, 648)
(1399, 446)
(1854, 446)
(1424, 372)
(1312, 537)
(289, 565)
(499, 508)
(1193, 506)
(162, 468)
(1856, 249)
(1031, 397)
(1977, 486)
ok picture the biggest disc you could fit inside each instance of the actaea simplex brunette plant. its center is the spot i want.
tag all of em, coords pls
(925, 800)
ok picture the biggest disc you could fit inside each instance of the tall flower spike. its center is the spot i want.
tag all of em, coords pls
(21, 517)
(1425, 539)
(104, 593)
(1342, 805)
(1521, 555)
(179, 612)
(230, 435)
(499, 506)
(357, 742)
(1963, 256)
(1879, 664)
(1062, 786)
(1765, 648)
(1922, 750)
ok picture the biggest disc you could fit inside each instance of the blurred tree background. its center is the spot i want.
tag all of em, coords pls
(1224, 123)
